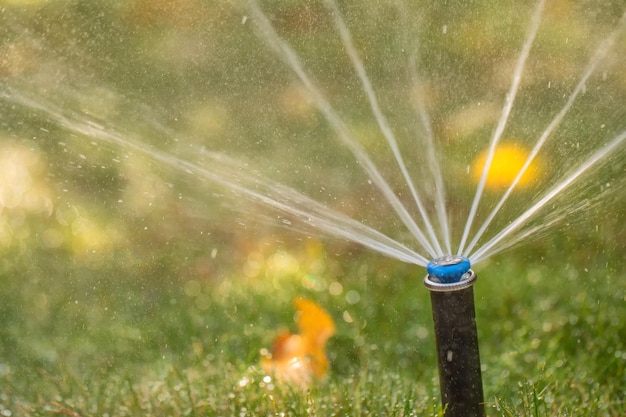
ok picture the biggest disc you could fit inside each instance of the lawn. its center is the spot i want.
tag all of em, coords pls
(156, 340)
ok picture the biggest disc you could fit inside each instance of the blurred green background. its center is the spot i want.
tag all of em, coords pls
(129, 286)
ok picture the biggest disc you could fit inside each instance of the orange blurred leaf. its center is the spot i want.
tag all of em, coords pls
(297, 358)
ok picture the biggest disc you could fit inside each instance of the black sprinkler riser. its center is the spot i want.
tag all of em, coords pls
(457, 345)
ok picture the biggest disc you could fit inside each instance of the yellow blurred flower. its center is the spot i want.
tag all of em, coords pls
(508, 160)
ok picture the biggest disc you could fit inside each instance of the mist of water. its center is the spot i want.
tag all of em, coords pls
(346, 38)
(287, 54)
(490, 247)
(601, 52)
(499, 241)
(506, 112)
(432, 235)
(231, 175)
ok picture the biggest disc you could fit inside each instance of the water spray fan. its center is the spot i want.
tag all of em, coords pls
(450, 281)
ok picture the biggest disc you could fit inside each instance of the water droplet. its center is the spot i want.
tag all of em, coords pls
(347, 317)
(335, 288)
(353, 297)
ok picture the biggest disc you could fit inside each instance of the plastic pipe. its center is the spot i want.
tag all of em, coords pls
(450, 281)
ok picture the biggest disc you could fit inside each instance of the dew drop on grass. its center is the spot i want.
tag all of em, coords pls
(244, 381)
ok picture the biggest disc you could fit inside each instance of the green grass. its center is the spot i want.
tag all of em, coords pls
(101, 342)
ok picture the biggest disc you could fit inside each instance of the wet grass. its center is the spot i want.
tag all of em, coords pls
(156, 340)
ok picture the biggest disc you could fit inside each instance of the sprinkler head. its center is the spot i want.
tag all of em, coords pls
(448, 269)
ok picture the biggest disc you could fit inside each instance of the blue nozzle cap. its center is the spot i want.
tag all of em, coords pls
(448, 269)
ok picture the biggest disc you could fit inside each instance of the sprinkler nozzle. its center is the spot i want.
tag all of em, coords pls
(448, 269)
